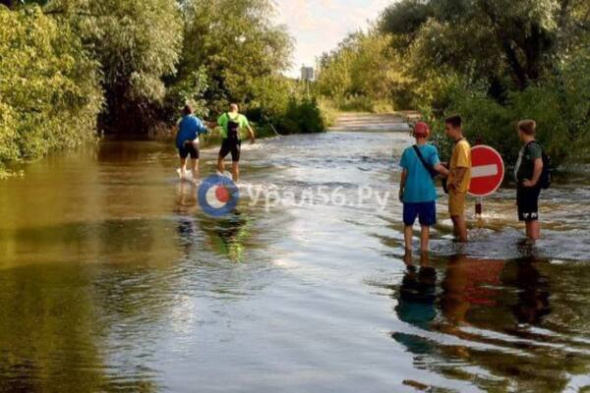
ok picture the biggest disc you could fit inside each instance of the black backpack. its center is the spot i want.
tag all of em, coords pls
(545, 179)
(233, 127)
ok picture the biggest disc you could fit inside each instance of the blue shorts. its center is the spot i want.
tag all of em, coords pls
(425, 211)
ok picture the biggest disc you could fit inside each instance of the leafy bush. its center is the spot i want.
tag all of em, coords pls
(137, 43)
(559, 104)
(361, 72)
(239, 46)
(188, 90)
(301, 116)
(49, 87)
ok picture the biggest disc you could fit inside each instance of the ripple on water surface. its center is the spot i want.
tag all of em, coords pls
(112, 279)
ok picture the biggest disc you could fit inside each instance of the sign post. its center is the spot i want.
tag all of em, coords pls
(307, 76)
(487, 174)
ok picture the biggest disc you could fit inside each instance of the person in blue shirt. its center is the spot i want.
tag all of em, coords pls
(187, 142)
(420, 164)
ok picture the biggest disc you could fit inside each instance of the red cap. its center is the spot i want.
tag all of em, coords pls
(422, 130)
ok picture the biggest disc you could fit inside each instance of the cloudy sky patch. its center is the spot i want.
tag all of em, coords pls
(318, 25)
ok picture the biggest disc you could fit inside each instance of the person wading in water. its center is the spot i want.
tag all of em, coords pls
(420, 164)
(187, 142)
(532, 175)
(459, 176)
(232, 124)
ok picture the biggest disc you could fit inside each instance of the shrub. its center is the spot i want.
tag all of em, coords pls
(301, 116)
(558, 103)
(49, 87)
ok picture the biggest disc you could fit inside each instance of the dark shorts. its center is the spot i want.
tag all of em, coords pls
(426, 212)
(189, 149)
(527, 200)
(232, 146)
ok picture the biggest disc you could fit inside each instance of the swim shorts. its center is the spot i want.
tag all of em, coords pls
(233, 146)
(426, 212)
(189, 149)
(527, 199)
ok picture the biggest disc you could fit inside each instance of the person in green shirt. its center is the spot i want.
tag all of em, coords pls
(528, 172)
(232, 124)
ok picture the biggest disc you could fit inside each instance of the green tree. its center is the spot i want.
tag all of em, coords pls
(137, 43)
(489, 39)
(496, 61)
(236, 43)
(363, 70)
(49, 86)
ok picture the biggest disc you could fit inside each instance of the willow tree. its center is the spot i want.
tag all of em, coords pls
(235, 43)
(49, 86)
(489, 39)
(363, 65)
(137, 43)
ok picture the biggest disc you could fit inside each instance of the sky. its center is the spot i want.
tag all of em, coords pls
(319, 25)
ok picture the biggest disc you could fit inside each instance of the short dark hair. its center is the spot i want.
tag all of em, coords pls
(455, 121)
(187, 110)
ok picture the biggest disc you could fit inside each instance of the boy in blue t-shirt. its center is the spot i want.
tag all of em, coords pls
(187, 141)
(417, 190)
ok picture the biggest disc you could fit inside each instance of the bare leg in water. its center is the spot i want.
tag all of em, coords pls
(183, 162)
(460, 229)
(235, 170)
(533, 230)
(424, 238)
(195, 169)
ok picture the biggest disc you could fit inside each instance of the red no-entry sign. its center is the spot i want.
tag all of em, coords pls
(487, 172)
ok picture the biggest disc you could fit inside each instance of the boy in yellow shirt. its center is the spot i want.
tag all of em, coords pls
(460, 176)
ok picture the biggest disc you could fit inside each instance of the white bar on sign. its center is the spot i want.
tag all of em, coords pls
(484, 171)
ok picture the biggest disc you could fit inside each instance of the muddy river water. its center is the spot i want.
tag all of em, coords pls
(112, 279)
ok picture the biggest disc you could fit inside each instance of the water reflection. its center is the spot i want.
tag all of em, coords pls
(491, 318)
(48, 328)
(416, 303)
(533, 304)
(229, 235)
(112, 279)
(468, 284)
(186, 210)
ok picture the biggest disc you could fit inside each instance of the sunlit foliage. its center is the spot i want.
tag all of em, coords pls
(493, 61)
(49, 86)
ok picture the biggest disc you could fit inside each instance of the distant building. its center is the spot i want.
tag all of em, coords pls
(307, 74)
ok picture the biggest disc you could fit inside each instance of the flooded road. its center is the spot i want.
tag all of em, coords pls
(112, 279)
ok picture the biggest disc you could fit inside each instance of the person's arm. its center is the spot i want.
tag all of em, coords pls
(202, 128)
(440, 168)
(463, 164)
(246, 124)
(402, 184)
(437, 165)
(459, 175)
(252, 134)
(539, 166)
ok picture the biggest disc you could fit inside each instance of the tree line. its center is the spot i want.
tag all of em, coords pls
(493, 61)
(70, 68)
